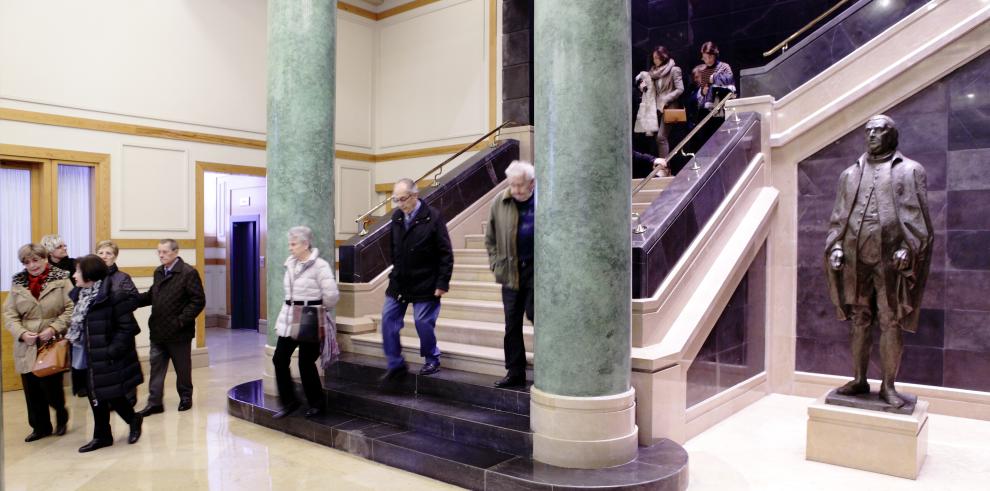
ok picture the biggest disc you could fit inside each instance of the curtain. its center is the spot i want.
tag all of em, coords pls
(15, 220)
(75, 208)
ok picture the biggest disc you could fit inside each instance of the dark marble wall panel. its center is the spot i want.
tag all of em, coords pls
(363, 257)
(847, 30)
(952, 345)
(735, 350)
(517, 61)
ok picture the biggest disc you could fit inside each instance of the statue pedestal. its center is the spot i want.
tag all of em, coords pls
(875, 441)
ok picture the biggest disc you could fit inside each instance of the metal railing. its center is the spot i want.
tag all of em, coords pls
(640, 228)
(365, 218)
(786, 42)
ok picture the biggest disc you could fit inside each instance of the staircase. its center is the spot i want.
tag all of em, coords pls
(453, 426)
(471, 325)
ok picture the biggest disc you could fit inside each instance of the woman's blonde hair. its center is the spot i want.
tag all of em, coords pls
(27, 251)
(107, 244)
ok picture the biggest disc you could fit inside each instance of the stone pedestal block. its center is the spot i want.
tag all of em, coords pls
(886, 443)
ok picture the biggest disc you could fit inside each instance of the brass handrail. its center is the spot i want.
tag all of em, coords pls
(646, 180)
(363, 219)
(784, 44)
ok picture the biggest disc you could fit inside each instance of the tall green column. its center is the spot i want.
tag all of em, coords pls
(583, 409)
(302, 44)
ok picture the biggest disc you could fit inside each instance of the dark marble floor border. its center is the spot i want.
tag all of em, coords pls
(663, 466)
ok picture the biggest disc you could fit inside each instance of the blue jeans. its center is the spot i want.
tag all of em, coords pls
(425, 315)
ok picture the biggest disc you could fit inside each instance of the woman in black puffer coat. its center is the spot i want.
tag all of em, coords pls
(102, 334)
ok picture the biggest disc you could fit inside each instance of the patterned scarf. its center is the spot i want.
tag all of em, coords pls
(86, 296)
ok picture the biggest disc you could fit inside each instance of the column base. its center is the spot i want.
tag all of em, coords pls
(584, 432)
(875, 441)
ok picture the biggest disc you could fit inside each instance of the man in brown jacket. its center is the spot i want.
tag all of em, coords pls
(509, 240)
(176, 298)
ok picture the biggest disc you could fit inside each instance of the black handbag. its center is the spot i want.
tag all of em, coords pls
(310, 325)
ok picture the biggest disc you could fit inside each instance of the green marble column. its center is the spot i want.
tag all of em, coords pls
(302, 44)
(583, 167)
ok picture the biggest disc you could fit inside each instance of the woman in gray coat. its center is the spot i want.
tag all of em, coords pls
(669, 85)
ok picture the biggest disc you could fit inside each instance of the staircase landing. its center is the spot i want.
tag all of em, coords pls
(453, 426)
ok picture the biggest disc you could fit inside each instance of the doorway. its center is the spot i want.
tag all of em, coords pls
(245, 269)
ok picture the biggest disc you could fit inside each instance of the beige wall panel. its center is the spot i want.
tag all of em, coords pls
(354, 195)
(432, 76)
(142, 258)
(393, 170)
(355, 66)
(155, 190)
(125, 57)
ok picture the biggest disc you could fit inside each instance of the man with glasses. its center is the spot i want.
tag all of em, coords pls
(422, 263)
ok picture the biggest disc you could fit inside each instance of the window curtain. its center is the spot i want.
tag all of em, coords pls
(15, 220)
(75, 208)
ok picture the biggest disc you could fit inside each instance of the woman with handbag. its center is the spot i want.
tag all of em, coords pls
(310, 290)
(37, 309)
(669, 82)
(102, 333)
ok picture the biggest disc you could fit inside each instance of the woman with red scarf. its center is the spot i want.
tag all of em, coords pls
(37, 309)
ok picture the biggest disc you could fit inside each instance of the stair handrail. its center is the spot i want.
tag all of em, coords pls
(680, 145)
(365, 218)
(783, 45)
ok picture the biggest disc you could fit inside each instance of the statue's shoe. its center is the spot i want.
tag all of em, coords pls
(890, 395)
(854, 387)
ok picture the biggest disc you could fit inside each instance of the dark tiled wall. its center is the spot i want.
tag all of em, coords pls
(517, 61)
(735, 350)
(945, 127)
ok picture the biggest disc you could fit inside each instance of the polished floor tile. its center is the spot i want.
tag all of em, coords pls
(203, 448)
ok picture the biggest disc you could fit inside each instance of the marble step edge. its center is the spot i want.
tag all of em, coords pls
(468, 387)
(464, 331)
(663, 465)
(435, 415)
(465, 357)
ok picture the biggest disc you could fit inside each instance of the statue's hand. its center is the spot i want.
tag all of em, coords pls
(902, 259)
(835, 259)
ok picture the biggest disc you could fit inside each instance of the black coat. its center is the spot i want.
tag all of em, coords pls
(175, 302)
(113, 368)
(422, 259)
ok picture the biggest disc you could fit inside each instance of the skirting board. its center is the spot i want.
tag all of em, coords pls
(717, 408)
(952, 402)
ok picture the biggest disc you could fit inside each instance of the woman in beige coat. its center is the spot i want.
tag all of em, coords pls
(38, 308)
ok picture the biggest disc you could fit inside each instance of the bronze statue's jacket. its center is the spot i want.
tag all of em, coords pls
(903, 204)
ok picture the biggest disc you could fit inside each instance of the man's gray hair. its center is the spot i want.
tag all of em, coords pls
(302, 233)
(171, 243)
(51, 242)
(409, 184)
(520, 168)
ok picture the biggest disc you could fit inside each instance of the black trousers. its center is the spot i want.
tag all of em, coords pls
(180, 352)
(101, 415)
(79, 384)
(40, 393)
(517, 303)
(308, 353)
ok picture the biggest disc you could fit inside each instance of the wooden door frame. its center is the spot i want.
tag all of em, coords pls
(43, 165)
(202, 168)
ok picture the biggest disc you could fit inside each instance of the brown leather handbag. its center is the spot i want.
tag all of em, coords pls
(674, 115)
(53, 357)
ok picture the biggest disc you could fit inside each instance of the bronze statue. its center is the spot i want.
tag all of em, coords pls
(877, 253)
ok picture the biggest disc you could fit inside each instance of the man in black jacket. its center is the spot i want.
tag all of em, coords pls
(422, 263)
(176, 298)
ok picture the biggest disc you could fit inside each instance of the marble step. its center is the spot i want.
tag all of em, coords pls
(660, 466)
(473, 272)
(459, 356)
(471, 256)
(475, 290)
(640, 207)
(647, 195)
(464, 331)
(474, 241)
(434, 415)
(458, 385)
(476, 310)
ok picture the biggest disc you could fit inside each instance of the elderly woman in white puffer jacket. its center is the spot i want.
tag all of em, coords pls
(309, 280)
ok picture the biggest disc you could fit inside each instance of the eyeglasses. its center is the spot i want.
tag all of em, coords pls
(402, 199)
